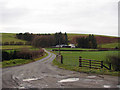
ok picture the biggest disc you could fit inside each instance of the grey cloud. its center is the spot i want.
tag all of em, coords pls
(74, 15)
(12, 15)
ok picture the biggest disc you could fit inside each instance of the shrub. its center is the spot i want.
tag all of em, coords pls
(19, 43)
(30, 54)
(5, 55)
(27, 43)
(23, 54)
(6, 43)
(12, 43)
(8, 56)
(114, 60)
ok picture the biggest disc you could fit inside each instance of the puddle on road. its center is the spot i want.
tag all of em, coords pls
(89, 80)
(21, 87)
(106, 86)
(91, 76)
(118, 86)
(69, 80)
(30, 79)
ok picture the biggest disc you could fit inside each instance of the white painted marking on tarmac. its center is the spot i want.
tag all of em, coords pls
(69, 80)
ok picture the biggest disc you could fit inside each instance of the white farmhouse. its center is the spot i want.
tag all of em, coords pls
(72, 45)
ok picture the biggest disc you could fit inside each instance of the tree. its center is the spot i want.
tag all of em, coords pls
(66, 39)
(87, 42)
(43, 41)
(61, 38)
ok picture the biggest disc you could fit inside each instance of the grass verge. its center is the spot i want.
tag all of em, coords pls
(16, 62)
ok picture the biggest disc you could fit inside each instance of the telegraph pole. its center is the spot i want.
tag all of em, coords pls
(59, 44)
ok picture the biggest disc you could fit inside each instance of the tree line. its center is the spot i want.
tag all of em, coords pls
(87, 42)
(48, 40)
(44, 40)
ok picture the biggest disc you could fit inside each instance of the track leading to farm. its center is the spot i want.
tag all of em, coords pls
(42, 74)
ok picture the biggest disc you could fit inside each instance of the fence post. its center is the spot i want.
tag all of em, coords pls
(90, 63)
(61, 59)
(110, 66)
(80, 61)
(101, 64)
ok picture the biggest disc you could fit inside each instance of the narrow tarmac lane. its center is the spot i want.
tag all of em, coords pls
(42, 74)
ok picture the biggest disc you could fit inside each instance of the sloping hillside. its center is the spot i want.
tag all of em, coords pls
(8, 37)
(103, 41)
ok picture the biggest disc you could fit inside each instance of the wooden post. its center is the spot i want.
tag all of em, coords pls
(57, 57)
(80, 61)
(90, 63)
(61, 59)
(101, 64)
(110, 66)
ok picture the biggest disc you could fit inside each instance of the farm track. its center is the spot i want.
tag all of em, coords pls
(42, 74)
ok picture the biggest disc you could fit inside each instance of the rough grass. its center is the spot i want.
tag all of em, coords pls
(8, 37)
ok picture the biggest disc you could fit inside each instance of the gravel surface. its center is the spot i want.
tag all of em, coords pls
(42, 74)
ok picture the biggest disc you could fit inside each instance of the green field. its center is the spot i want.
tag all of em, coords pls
(15, 46)
(110, 45)
(70, 49)
(72, 58)
(71, 61)
(8, 37)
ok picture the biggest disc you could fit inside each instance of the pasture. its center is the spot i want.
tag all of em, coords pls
(71, 49)
(109, 45)
(8, 37)
(72, 58)
(71, 61)
(16, 46)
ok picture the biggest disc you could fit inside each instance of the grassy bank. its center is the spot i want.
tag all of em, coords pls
(8, 37)
(16, 62)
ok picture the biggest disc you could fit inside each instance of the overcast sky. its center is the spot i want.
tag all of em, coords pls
(50, 16)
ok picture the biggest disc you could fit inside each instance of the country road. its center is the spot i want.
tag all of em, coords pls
(42, 74)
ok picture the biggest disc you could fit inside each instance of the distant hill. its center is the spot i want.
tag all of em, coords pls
(103, 41)
(100, 38)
